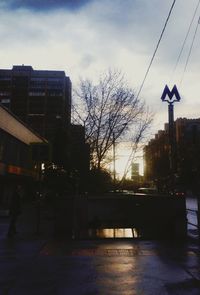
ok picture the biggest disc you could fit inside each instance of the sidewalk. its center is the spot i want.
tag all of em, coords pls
(33, 264)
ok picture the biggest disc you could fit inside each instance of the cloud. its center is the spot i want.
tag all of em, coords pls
(44, 5)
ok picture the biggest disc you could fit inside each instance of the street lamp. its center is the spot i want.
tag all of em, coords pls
(170, 97)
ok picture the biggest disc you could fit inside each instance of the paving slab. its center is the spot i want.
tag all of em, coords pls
(98, 267)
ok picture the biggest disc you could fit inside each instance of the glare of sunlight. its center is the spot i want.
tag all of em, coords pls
(115, 233)
(123, 151)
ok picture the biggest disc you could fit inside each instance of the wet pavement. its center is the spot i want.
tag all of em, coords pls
(128, 267)
(33, 264)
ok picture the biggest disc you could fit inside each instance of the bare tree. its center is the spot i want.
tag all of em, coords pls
(108, 111)
(138, 139)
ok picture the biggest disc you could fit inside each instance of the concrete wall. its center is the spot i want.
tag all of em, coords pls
(152, 216)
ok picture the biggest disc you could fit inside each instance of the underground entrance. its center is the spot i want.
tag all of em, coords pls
(122, 216)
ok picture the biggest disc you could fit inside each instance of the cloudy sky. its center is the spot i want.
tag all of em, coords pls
(86, 37)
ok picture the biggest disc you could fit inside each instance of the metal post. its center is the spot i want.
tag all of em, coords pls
(170, 97)
(172, 145)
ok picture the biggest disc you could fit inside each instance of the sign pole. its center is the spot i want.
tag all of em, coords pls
(171, 97)
(171, 145)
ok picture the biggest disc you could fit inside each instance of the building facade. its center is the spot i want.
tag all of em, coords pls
(40, 98)
(187, 155)
(16, 165)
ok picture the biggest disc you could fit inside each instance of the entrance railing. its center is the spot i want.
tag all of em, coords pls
(192, 223)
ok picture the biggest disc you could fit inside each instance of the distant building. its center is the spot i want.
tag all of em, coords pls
(187, 156)
(156, 156)
(40, 98)
(135, 170)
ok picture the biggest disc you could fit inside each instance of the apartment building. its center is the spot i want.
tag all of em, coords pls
(40, 98)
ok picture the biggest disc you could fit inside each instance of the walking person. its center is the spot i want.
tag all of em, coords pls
(14, 211)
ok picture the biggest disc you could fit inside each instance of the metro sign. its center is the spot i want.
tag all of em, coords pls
(170, 96)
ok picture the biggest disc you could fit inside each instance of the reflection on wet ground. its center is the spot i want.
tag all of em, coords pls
(113, 233)
(122, 267)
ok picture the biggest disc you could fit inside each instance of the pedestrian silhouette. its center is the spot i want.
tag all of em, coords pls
(14, 211)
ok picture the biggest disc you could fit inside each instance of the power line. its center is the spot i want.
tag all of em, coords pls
(133, 152)
(157, 46)
(184, 42)
(190, 51)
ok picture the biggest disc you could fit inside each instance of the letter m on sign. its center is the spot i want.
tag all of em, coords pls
(170, 96)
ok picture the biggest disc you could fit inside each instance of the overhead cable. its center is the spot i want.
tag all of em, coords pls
(190, 51)
(184, 42)
(157, 46)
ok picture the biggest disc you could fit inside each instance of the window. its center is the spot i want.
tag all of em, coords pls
(36, 79)
(37, 93)
(56, 93)
(32, 115)
(4, 93)
(54, 80)
(5, 79)
(5, 100)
